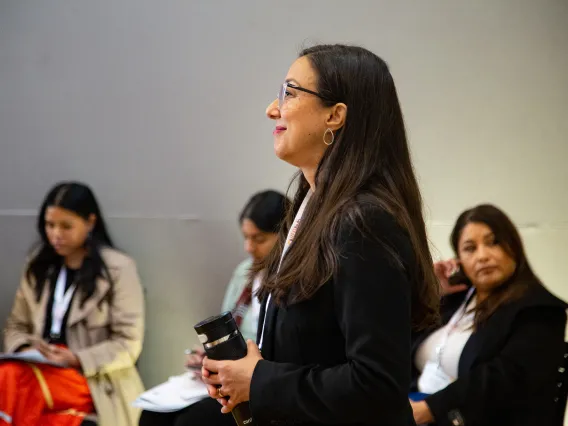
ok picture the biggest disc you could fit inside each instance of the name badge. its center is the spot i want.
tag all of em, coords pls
(433, 378)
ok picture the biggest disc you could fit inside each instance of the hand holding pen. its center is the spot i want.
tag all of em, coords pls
(194, 360)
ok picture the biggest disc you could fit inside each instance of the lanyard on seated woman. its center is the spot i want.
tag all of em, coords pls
(61, 301)
(433, 377)
(452, 326)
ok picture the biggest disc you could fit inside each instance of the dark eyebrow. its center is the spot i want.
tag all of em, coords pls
(486, 236)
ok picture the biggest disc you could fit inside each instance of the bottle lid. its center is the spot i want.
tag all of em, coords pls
(215, 327)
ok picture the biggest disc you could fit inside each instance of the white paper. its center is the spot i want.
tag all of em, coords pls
(175, 394)
(33, 355)
(433, 379)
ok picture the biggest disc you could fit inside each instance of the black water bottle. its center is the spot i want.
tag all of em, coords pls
(222, 340)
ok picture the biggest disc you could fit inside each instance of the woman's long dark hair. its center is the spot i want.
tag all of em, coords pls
(79, 199)
(369, 160)
(508, 237)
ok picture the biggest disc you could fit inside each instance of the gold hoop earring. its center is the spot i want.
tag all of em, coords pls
(328, 130)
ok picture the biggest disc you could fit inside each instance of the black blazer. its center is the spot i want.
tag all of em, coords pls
(508, 369)
(343, 357)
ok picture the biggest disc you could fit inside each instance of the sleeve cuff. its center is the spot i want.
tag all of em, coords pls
(262, 393)
(438, 407)
(88, 365)
(18, 343)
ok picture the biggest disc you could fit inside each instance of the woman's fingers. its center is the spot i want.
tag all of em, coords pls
(212, 391)
(229, 405)
(212, 365)
(212, 379)
(193, 361)
(44, 349)
(205, 372)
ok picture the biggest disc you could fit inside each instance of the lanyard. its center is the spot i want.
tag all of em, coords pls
(452, 325)
(61, 301)
(287, 244)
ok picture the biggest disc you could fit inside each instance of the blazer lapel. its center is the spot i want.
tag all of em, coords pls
(470, 353)
(483, 340)
(261, 316)
(271, 311)
(41, 308)
(78, 313)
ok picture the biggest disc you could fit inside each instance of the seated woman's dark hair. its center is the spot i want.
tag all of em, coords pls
(79, 199)
(267, 210)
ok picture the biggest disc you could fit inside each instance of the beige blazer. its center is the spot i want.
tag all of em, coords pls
(106, 334)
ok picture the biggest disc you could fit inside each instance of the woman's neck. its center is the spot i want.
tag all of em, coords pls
(310, 175)
(75, 259)
(480, 296)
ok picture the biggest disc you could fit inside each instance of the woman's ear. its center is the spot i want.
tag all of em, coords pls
(92, 221)
(337, 117)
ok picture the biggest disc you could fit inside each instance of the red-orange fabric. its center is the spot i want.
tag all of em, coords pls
(22, 398)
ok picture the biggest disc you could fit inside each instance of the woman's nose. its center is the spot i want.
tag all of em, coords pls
(272, 111)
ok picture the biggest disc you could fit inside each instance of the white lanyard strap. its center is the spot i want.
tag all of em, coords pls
(61, 300)
(287, 244)
(294, 228)
(452, 325)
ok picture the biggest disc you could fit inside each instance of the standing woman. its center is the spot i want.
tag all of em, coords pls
(80, 304)
(345, 286)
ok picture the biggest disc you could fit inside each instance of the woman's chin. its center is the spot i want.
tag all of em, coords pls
(281, 150)
(278, 147)
(61, 251)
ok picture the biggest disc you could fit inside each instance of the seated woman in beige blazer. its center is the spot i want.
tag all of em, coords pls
(80, 304)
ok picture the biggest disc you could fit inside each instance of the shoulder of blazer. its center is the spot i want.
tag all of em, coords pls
(116, 260)
(537, 296)
(533, 304)
(536, 299)
(364, 219)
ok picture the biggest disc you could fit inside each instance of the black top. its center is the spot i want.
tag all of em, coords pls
(508, 369)
(61, 339)
(343, 357)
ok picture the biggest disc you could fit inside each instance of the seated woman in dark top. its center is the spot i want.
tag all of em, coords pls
(495, 358)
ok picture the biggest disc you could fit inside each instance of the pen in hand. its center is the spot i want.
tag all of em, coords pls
(193, 362)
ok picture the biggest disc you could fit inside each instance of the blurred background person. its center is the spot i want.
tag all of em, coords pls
(80, 303)
(495, 358)
(260, 221)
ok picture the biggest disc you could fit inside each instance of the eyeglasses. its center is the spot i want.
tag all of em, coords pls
(282, 95)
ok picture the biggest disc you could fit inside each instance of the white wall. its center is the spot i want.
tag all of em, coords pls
(160, 106)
